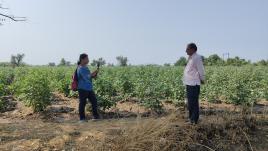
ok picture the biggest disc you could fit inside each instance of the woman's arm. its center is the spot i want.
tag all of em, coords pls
(95, 74)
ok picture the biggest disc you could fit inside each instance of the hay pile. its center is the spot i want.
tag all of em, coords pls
(221, 133)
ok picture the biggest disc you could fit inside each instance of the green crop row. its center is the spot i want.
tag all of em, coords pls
(149, 85)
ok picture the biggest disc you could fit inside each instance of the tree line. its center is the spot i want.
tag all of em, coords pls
(212, 60)
(17, 61)
(215, 60)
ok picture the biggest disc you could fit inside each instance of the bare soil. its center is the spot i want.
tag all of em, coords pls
(129, 126)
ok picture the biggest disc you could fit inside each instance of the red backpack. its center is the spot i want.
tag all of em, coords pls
(74, 84)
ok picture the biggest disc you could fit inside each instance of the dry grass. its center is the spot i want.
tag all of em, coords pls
(221, 133)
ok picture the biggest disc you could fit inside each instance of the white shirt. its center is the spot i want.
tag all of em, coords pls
(194, 71)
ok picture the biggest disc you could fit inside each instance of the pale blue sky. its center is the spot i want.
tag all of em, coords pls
(146, 31)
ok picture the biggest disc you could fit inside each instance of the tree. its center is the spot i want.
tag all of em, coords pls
(10, 17)
(5, 64)
(262, 63)
(181, 62)
(214, 60)
(16, 60)
(236, 61)
(122, 61)
(167, 64)
(110, 64)
(100, 61)
(68, 63)
(51, 64)
(63, 62)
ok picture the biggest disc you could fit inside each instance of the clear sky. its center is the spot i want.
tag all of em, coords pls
(146, 31)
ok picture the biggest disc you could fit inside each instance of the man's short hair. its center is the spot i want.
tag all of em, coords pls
(192, 46)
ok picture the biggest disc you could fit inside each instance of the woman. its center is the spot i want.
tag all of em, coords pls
(85, 88)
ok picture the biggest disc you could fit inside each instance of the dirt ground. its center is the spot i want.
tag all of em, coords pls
(57, 128)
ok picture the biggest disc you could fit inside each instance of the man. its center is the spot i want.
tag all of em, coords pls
(193, 77)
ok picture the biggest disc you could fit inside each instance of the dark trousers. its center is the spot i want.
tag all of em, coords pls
(83, 96)
(193, 103)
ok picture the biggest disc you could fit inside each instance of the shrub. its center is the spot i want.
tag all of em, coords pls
(34, 90)
(105, 92)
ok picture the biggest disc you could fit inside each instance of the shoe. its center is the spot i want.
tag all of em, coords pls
(187, 120)
(95, 119)
(190, 123)
(82, 121)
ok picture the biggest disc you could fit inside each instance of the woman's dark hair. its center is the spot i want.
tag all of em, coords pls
(82, 56)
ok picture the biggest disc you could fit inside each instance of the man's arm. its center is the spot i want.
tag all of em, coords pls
(200, 69)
